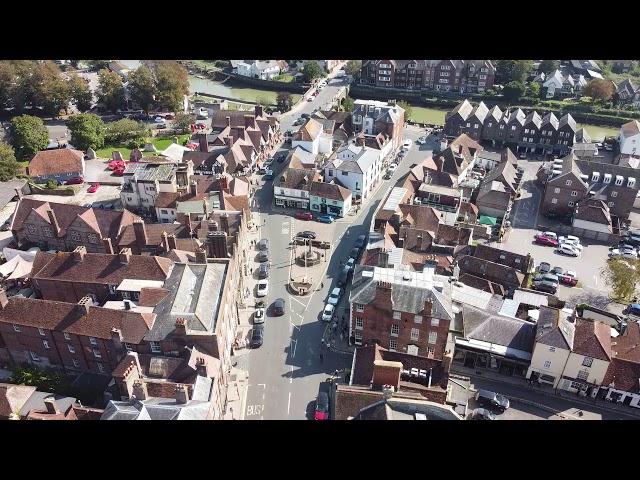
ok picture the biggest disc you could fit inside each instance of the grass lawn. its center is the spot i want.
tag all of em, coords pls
(161, 143)
(284, 78)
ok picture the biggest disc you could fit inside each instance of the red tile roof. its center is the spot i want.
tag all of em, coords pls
(70, 318)
(54, 162)
(592, 339)
(150, 297)
(624, 370)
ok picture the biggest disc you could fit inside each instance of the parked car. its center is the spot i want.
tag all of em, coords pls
(334, 297)
(546, 286)
(406, 145)
(322, 407)
(544, 267)
(327, 313)
(325, 219)
(6, 226)
(257, 336)
(491, 400)
(93, 188)
(263, 256)
(557, 271)
(160, 119)
(304, 215)
(258, 316)
(360, 242)
(263, 244)
(482, 414)
(422, 140)
(263, 288)
(355, 253)
(623, 253)
(263, 270)
(566, 249)
(343, 278)
(279, 307)
(569, 278)
(160, 126)
(550, 235)
(547, 241)
(75, 181)
(307, 234)
(268, 175)
(392, 168)
(350, 263)
(632, 309)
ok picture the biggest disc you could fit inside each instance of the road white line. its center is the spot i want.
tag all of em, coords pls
(291, 376)
(263, 385)
(289, 403)
(295, 345)
(296, 300)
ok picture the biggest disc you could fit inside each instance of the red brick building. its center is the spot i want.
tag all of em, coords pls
(403, 311)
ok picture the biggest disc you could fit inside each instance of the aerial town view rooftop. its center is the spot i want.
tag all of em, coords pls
(319, 240)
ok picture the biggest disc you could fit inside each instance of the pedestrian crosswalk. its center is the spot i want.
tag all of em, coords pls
(285, 228)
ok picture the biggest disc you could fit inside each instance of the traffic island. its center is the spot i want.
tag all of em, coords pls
(301, 285)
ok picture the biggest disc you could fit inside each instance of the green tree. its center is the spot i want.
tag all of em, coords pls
(353, 67)
(513, 91)
(622, 274)
(262, 101)
(126, 131)
(7, 84)
(28, 135)
(311, 70)
(599, 89)
(172, 83)
(97, 65)
(50, 91)
(348, 104)
(110, 90)
(80, 93)
(534, 89)
(512, 70)
(142, 87)
(549, 66)
(284, 100)
(408, 109)
(8, 163)
(183, 121)
(87, 131)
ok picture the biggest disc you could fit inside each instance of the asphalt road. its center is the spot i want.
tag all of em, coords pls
(286, 373)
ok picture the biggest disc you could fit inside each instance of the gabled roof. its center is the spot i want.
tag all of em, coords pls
(630, 128)
(54, 162)
(480, 112)
(567, 119)
(592, 210)
(331, 191)
(554, 328)
(492, 271)
(534, 118)
(592, 339)
(624, 370)
(463, 109)
(550, 119)
(494, 328)
(299, 179)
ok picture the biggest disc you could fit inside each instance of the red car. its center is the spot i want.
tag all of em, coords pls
(567, 279)
(322, 407)
(75, 181)
(93, 188)
(304, 215)
(542, 240)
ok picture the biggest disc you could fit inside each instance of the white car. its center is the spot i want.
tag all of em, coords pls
(422, 140)
(327, 313)
(569, 239)
(550, 235)
(158, 120)
(263, 288)
(258, 316)
(623, 253)
(406, 145)
(392, 168)
(350, 263)
(566, 249)
(322, 84)
(577, 246)
(334, 298)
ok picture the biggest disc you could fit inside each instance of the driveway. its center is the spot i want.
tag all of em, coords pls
(106, 194)
(97, 171)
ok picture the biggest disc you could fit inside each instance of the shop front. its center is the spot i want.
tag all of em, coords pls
(478, 355)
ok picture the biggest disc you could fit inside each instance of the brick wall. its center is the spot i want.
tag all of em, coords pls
(37, 231)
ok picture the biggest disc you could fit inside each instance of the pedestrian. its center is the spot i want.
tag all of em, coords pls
(321, 284)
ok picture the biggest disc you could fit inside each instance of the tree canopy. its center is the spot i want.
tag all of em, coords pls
(348, 104)
(284, 100)
(28, 135)
(512, 70)
(87, 131)
(599, 89)
(353, 67)
(513, 91)
(8, 163)
(408, 109)
(171, 83)
(549, 66)
(311, 70)
(110, 90)
(126, 132)
(622, 274)
(142, 87)
(80, 93)
(183, 121)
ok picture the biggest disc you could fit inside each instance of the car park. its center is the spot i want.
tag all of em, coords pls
(334, 297)
(304, 215)
(325, 219)
(279, 307)
(482, 414)
(322, 407)
(544, 267)
(569, 250)
(258, 316)
(491, 400)
(263, 288)
(257, 336)
(327, 313)
(263, 270)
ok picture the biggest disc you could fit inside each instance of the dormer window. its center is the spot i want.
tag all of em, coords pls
(607, 178)
(595, 177)
(631, 182)
(619, 179)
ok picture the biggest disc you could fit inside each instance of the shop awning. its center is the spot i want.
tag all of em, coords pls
(486, 220)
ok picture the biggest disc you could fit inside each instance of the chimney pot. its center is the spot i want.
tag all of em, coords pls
(201, 256)
(182, 394)
(85, 304)
(108, 246)
(228, 121)
(79, 253)
(125, 255)
(141, 233)
(171, 239)
(52, 408)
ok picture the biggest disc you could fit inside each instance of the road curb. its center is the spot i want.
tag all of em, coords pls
(544, 407)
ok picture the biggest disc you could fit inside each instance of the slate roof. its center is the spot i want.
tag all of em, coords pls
(567, 119)
(550, 119)
(504, 257)
(592, 339)
(592, 210)
(71, 318)
(494, 328)
(554, 329)
(54, 162)
(463, 109)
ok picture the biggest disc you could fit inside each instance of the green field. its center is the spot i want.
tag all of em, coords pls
(159, 143)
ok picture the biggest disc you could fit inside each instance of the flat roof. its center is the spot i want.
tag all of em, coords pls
(135, 285)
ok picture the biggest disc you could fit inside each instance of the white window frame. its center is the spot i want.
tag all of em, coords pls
(614, 194)
(415, 334)
(435, 322)
(431, 351)
(34, 356)
(96, 353)
(359, 323)
(556, 190)
(67, 336)
(417, 318)
(93, 341)
(42, 332)
(433, 337)
(100, 367)
(571, 204)
(155, 347)
(611, 204)
(358, 336)
(396, 315)
(583, 375)
(128, 347)
(76, 363)
(396, 327)
(554, 201)
(359, 307)
(71, 348)
(16, 328)
(45, 344)
(587, 362)
(393, 344)
(574, 193)
(568, 183)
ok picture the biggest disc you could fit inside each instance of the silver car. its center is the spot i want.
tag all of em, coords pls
(258, 316)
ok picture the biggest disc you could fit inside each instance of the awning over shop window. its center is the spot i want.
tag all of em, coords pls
(485, 220)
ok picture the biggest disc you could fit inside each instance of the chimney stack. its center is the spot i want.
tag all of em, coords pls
(387, 391)
(224, 223)
(193, 187)
(201, 367)
(165, 241)
(386, 373)
(224, 183)
(182, 394)
(181, 327)
(54, 222)
(228, 121)
(127, 304)
(125, 255)
(85, 304)
(52, 408)
(140, 390)
(217, 245)
(108, 246)
(140, 232)
(259, 111)
(203, 142)
(79, 253)
(3, 298)
(171, 239)
(201, 255)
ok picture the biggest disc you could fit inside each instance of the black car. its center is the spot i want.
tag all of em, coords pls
(482, 414)
(343, 278)
(361, 241)
(544, 267)
(263, 270)
(282, 158)
(546, 286)
(305, 115)
(279, 307)
(492, 400)
(257, 336)
(307, 234)
(263, 245)
(263, 256)
(355, 253)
